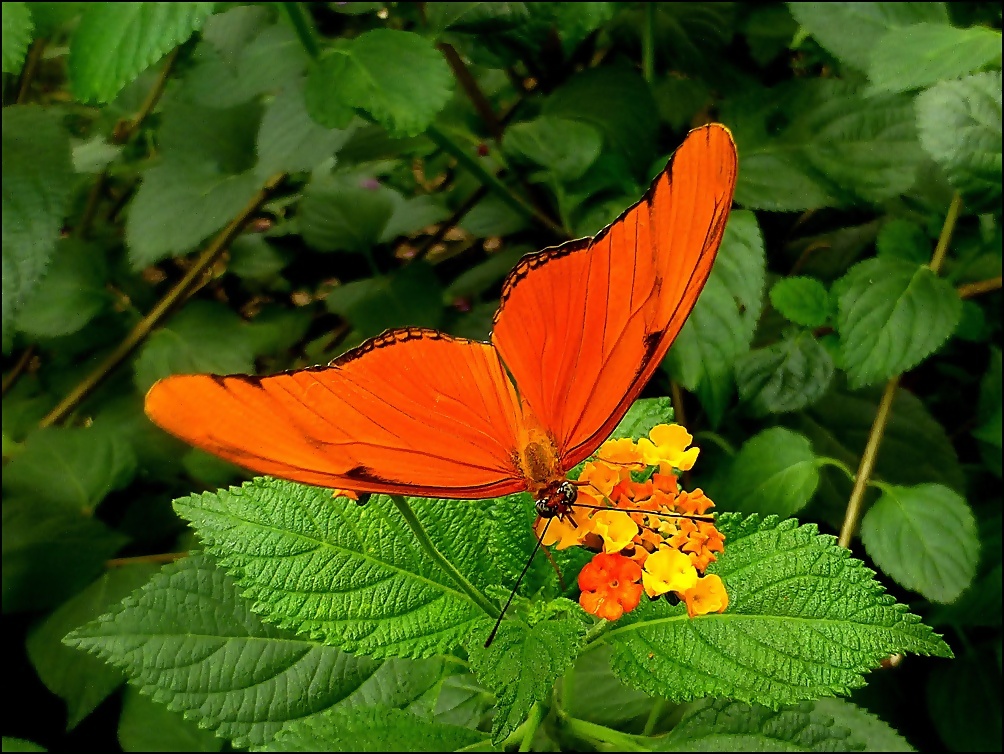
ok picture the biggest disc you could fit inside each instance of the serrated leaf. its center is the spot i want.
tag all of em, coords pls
(190, 641)
(74, 467)
(960, 127)
(71, 293)
(964, 702)
(412, 215)
(145, 725)
(37, 178)
(397, 77)
(100, 65)
(100, 60)
(724, 725)
(252, 257)
(290, 141)
(902, 239)
(565, 147)
(17, 29)
(774, 473)
(617, 101)
(865, 728)
(851, 31)
(891, 316)
(337, 214)
(923, 54)
(802, 300)
(474, 17)
(643, 415)
(721, 326)
(82, 681)
(373, 729)
(925, 538)
(50, 552)
(522, 664)
(804, 620)
(787, 376)
(351, 576)
(205, 336)
(410, 296)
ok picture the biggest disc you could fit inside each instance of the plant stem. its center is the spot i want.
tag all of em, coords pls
(517, 203)
(181, 290)
(160, 557)
(531, 725)
(648, 44)
(30, 66)
(863, 477)
(423, 539)
(302, 25)
(600, 733)
(470, 86)
(653, 717)
(121, 136)
(968, 290)
(18, 369)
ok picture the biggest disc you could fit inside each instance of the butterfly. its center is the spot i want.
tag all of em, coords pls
(580, 329)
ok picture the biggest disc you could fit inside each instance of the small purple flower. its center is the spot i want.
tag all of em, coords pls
(370, 184)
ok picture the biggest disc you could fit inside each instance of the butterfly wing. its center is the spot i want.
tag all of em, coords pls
(583, 326)
(412, 412)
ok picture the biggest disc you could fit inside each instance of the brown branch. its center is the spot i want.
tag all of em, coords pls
(480, 193)
(470, 86)
(160, 557)
(30, 66)
(968, 290)
(18, 369)
(182, 290)
(125, 130)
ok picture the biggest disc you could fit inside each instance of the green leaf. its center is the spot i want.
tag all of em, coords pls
(205, 336)
(522, 664)
(720, 329)
(902, 239)
(891, 316)
(866, 728)
(20, 744)
(923, 54)
(397, 77)
(350, 575)
(989, 408)
(73, 467)
(145, 725)
(338, 214)
(597, 695)
(50, 552)
(852, 31)
(17, 30)
(565, 147)
(787, 376)
(964, 702)
(206, 176)
(474, 17)
(960, 127)
(71, 293)
(643, 415)
(774, 472)
(190, 641)
(290, 141)
(100, 64)
(804, 620)
(412, 215)
(802, 300)
(82, 681)
(617, 101)
(925, 538)
(410, 296)
(37, 178)
(724, 725)
(372, 729)
(252, 257)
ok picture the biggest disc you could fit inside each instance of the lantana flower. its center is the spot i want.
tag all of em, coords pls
(667, 448)
(708, 595)
(609, 585)
(668, 570)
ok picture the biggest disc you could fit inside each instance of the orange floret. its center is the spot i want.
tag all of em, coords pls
(609, 585)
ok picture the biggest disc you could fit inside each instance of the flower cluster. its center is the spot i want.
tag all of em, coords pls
(628, 512)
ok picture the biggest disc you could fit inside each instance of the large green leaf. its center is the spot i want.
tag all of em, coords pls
(17, 29)
(565, 147)
(918, 56)
(964, 701)
(189, 640)
(71, 293)
(960, 127)
(146, 725)
(891, 316)
(82, 681)
(100, 64)
(396, 77)
(37, 178)
(804, 620)
(410, 296)
(803, 300)
(925, 538)
(349, 575)
(339, 214)
(786, 376)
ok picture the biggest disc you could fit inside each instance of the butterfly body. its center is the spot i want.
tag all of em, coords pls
(580, 330)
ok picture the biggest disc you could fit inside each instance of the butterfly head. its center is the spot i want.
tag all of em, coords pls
(556, 499)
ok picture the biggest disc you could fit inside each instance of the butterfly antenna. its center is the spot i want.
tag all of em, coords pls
(706, 517)
(512, 594)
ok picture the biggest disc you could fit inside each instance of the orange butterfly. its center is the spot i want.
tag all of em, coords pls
(580, 330)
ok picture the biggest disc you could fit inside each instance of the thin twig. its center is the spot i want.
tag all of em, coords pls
(29, 68)
(968, 290)
(445, 227)
(181, 290)
(90, 208)
(160, 557)
(946, 232)
(470, 86)
(122, 135)
(648, 44)
(18, 369)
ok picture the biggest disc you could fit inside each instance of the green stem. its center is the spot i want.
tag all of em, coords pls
(594, 733)
(423, 539)
(648, 44)
(717, 439)
(822, 461)
(530, 726)
(653, 716)
(594, 634)
(302, 25)
(468, 161)
(946, 232)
